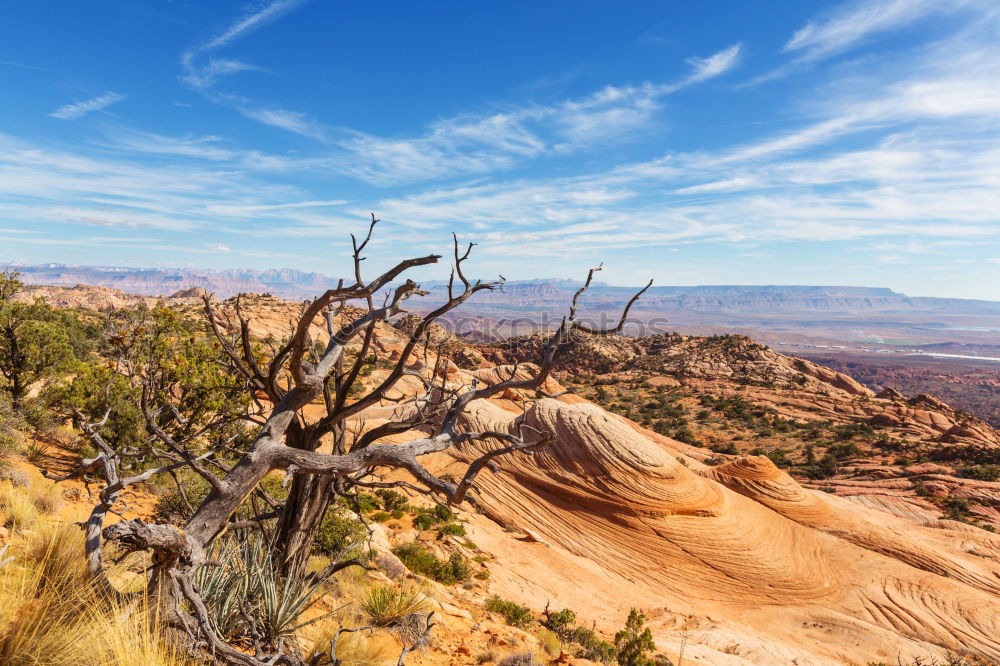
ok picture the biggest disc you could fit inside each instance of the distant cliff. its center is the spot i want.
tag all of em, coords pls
(529, 295)
(284, 282)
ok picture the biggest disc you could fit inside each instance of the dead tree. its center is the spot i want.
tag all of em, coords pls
(298, 373)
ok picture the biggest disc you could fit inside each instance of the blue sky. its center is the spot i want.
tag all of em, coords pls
(718, 142)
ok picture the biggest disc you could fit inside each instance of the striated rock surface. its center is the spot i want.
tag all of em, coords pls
(738, 548)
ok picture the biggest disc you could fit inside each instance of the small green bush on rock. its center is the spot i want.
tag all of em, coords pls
(513, 614)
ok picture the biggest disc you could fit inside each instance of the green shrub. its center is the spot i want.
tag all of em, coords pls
(842, 451)
(778, 456)
(428, 518)
(171, 506)
(824, 469)
(380, 516)
(443, 513)
(455, 570)
(424, 521)
(634, 641)
(957, 508)
(852, 430)
(589, 645)
(95, 390)
(12, 429)
(560, 621)
(980, 472)
(338, 533)
(451, 529)
(392, 500)
(513, 614)
(421, 561)
(592, 647)
(684, 434)
(362, 502)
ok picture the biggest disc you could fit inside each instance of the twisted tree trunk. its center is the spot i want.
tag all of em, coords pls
(309, 497)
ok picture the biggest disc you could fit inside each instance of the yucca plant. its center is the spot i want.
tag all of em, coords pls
(385, 605)
(223, 586)
(35, 452)
(283, 602)
(246, 596)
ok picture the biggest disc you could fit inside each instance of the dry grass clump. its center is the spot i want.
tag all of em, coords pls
(353, 649)
(12, 474)
(21, 508)
(525, 658)
(51, 615)
(350, 583)
(386, 617)
(549, 641)
(17, 510)
(47, 497)
(487, 655)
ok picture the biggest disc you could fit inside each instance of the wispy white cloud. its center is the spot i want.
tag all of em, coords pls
(203, 147)
(859, 21)
(201, 71)
(44, 185)
(853, 22)
(202, 75)
(714, 65)
(462, 145)
(251, 210)
(250, 22)
(8, 63)
(736, 184)
(484, 143)
(80, 109)
(928, 169)
(291, 121)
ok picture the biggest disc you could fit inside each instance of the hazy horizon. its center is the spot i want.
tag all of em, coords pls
(568, 281)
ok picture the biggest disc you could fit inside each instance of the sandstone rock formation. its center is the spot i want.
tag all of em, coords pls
(622, 518)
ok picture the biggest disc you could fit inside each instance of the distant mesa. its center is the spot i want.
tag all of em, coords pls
(167, 282)
(527, 296)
